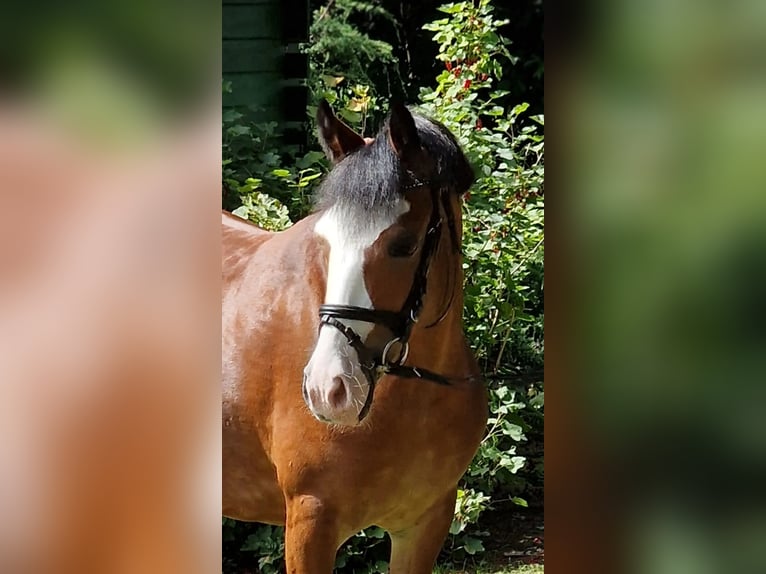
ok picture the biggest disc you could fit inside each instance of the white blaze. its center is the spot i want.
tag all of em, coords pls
(333, 356)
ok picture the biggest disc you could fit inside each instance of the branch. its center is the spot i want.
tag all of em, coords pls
(324, 11)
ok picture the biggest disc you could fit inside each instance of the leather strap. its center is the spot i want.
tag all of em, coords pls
(406, 372)
(390, 319)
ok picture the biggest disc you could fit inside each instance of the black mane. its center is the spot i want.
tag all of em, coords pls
(371, 178)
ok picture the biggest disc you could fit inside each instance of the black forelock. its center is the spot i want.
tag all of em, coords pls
(372, 177)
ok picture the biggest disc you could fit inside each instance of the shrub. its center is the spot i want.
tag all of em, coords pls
(503, 246)
(348, 67)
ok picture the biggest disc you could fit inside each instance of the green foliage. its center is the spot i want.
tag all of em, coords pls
(366, 552)
(255, 179)
(355, 104)
(339, 48)
(264, 546)
(348, 68)
(261, 209)
(269, 543)
(503, 246)
(468, 506)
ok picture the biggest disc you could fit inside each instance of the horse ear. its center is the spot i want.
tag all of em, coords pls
(402, 133)
(337, 139)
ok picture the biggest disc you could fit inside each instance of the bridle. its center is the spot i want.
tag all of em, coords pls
(374, 365)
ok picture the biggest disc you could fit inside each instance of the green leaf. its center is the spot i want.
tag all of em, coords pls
(332, 81)
(375, 532)
(519, 109)
(311, 158)
(349, 116)
(450, 8)
(472, 545)
(311, 177)
(456, 527)
(238, 130)
(231, 116)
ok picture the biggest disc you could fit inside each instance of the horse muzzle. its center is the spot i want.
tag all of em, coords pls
(336, 398)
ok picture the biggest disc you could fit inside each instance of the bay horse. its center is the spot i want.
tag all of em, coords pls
(361, 301)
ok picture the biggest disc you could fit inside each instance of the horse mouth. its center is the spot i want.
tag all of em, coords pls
(352, 412)
(321, 418)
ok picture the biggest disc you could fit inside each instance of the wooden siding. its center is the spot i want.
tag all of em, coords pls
(260, 52)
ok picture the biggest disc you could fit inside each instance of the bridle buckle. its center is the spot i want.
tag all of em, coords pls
(405, 350)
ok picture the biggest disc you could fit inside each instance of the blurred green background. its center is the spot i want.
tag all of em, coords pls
(113, 70)
(664, 193)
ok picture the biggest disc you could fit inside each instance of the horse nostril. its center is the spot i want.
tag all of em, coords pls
(337, 395)
(304, 391)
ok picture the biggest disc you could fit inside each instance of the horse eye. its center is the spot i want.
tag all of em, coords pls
(405, 246)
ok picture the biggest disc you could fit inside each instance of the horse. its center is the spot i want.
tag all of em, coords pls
(350, 395)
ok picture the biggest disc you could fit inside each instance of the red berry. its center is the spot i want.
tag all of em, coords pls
(448, 65)
(479, 124)
(467, 84)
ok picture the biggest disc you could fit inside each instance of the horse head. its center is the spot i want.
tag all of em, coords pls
(390, 216)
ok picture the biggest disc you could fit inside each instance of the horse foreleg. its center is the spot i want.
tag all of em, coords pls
(414, 550)
(311, 536)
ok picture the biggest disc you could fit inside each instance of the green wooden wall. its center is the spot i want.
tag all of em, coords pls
(262, 60)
